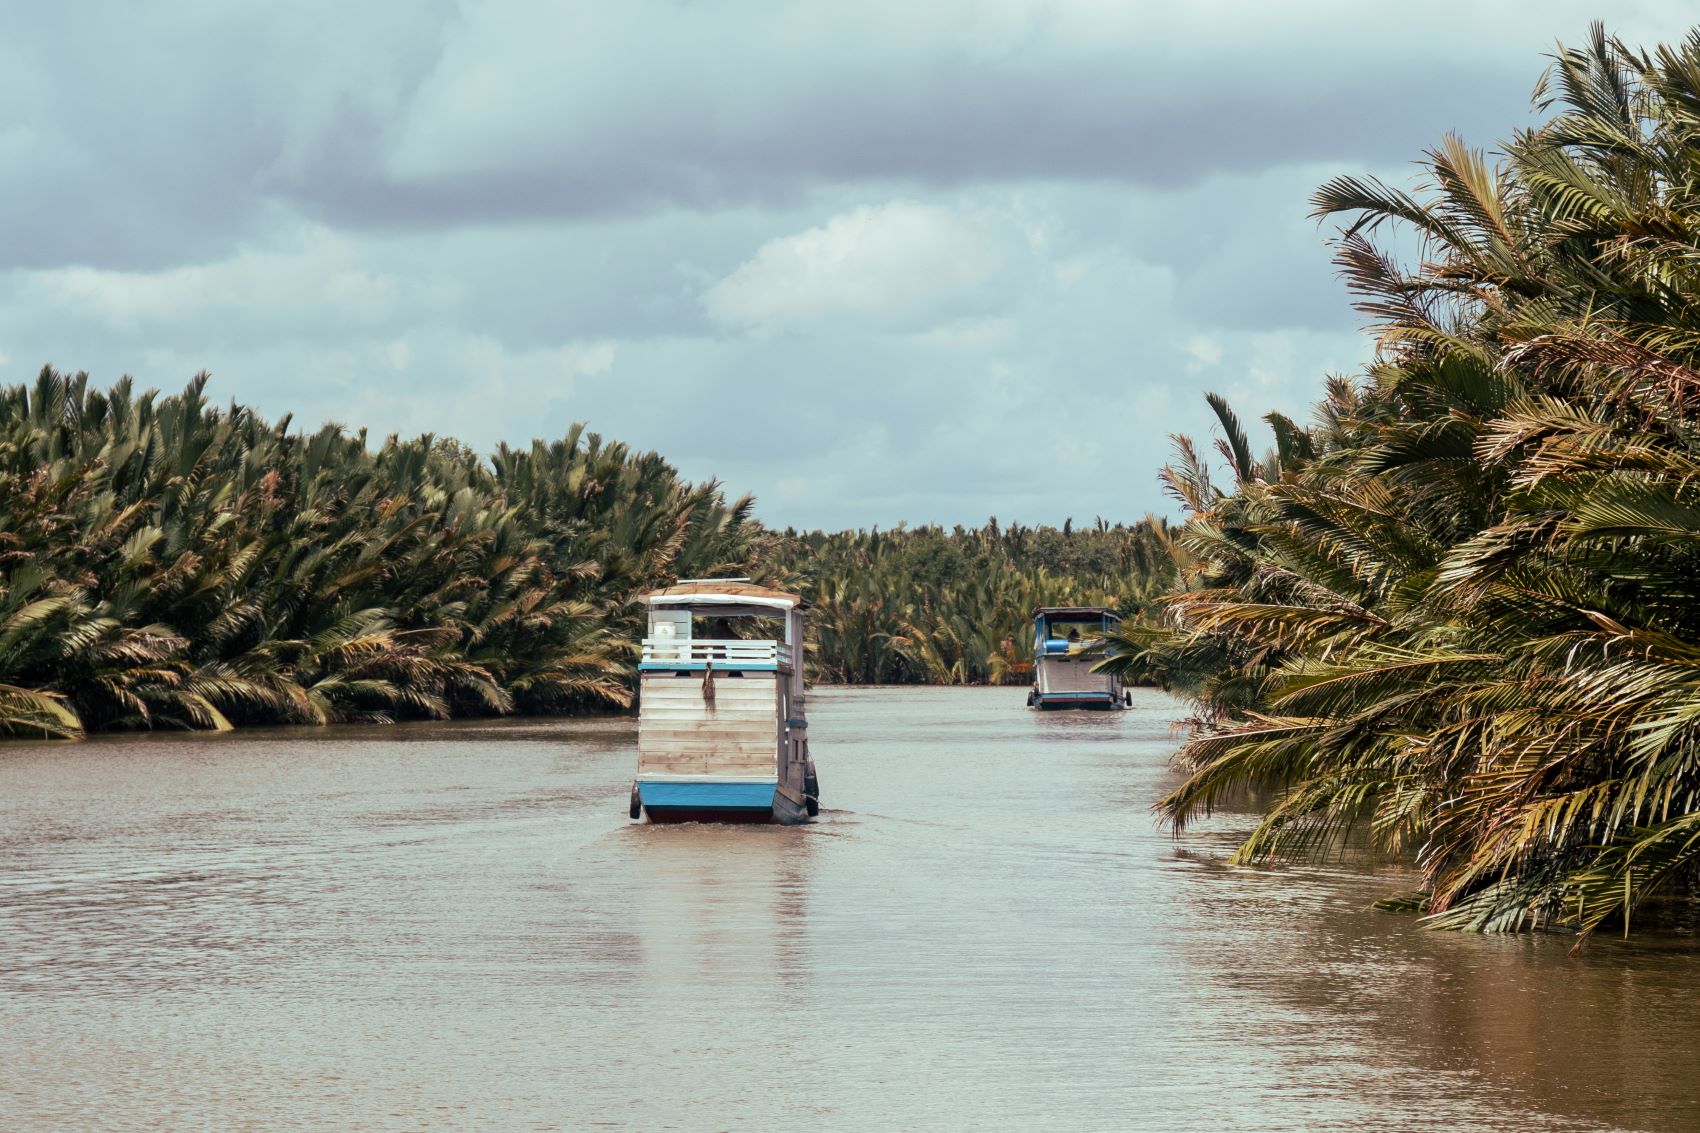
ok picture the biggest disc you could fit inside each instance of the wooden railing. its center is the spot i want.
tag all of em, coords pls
(699, 653)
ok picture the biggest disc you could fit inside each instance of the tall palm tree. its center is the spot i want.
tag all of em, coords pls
(1461, 617)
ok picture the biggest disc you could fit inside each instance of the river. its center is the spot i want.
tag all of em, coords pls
(455, 927)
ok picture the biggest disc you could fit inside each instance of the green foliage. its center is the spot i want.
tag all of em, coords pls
(1458, 613)
(929, 606)
(166, 563)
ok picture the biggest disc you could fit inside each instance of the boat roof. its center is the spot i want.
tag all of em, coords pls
(1044, 611)
(722, 592)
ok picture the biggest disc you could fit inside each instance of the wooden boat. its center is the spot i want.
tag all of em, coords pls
(722, 732)
(1068, 644)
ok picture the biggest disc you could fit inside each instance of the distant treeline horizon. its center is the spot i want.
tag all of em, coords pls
(923, 605)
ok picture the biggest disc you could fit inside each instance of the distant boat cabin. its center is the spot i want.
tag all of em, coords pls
(1068, 645)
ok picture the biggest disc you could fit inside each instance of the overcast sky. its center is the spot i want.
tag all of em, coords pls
(922, 260)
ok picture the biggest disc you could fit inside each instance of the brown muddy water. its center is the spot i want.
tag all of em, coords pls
(455, 927)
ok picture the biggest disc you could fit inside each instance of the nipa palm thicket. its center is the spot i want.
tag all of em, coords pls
(164, 562)
(1461, 610)
(926, 606)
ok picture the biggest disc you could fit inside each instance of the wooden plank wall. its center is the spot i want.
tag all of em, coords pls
(1071, 674)
(679, 733)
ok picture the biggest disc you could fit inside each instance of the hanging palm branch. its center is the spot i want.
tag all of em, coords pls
(1462, 624)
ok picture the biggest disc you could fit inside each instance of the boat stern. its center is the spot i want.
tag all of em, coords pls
(702, 799)
(1105, 700)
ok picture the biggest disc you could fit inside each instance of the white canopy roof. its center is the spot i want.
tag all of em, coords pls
(723, 593)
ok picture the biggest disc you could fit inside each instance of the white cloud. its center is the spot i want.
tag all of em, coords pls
(1203, 352)
(937, 361)
(970, 332)
(903, 264)
(312, 275)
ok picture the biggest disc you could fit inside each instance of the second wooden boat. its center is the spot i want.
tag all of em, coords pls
(1068, 646)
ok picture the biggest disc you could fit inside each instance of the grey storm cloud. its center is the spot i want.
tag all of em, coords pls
(875, 262)
(136, 130)
(957, 124)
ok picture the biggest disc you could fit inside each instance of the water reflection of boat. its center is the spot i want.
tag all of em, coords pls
(722, 733)
(1068, 644)
(723, 912)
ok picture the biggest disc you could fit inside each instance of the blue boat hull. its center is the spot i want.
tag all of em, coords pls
(712, 800)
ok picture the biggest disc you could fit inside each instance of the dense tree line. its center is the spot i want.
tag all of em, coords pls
(166, 562)
(1460, 612)
(930, 606)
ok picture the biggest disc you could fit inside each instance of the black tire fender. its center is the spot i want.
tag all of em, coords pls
(637, 801)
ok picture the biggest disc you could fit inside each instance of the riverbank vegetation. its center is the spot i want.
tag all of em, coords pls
(167, 563)
(1461, 610)
(929, 606)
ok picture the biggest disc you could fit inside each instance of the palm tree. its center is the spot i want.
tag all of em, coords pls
(168, 563)
(1460, 618)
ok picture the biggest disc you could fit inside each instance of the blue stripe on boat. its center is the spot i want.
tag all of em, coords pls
(1075, 696)
(706, 794)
